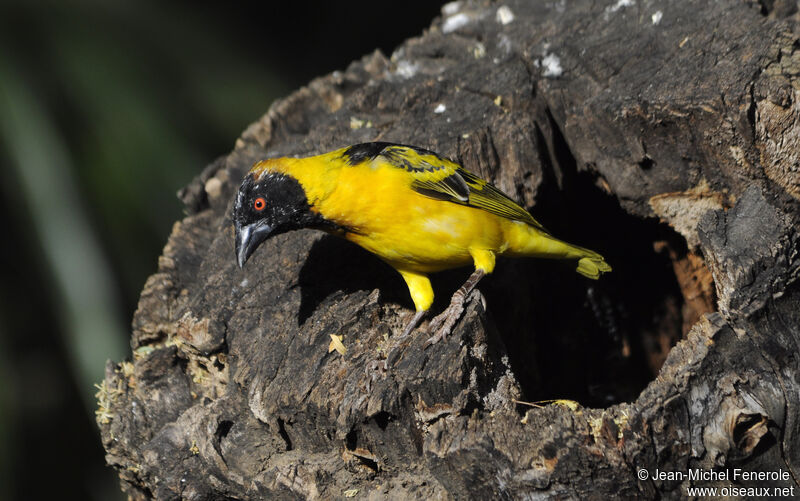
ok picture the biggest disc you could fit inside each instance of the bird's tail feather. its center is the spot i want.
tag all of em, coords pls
(592, 266)
(529, 241)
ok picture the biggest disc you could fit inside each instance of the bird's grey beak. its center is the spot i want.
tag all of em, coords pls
(248, 238)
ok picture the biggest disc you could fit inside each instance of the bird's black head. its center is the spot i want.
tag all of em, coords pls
(268, 204)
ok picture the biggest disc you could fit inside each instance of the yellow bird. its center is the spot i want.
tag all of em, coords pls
(415, 210)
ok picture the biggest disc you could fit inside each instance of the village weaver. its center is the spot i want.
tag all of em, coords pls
(417, 211)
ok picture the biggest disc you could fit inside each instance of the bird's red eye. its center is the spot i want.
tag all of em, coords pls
(260, 203)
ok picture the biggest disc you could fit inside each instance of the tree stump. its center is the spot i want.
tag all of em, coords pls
(661, 134)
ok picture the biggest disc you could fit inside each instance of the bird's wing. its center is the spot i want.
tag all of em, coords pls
(442, 179)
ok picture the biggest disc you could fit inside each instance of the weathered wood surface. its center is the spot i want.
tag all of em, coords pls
(601, 116)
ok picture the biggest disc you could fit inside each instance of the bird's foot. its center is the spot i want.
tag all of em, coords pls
(443, 323)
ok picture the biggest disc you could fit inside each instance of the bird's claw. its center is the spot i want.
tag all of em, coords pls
(412, 324)
(445, 321)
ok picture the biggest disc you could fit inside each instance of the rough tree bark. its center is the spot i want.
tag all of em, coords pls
(662, 134)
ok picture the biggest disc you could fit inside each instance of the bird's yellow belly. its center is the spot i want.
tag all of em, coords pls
(406, 229)
(430, 236)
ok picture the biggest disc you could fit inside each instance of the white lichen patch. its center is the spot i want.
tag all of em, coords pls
(504, 15)
(406, 69)
(656, 17)
(143, 351)
(451, 8)
(357, 123)
(479, 50)
(621, 4)
(551, 66)
(455, 22)
(506, 391)
(479, 351)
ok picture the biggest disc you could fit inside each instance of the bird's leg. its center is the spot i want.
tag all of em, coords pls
(444, 322)
(421, 293)
(413, 323)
